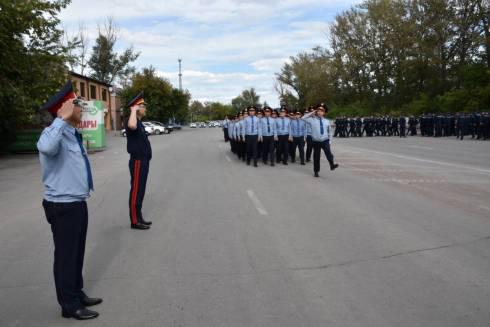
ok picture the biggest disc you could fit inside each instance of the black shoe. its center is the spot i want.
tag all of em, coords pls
(302, 163)
(335, 166)
(248, 163)
(90, 301)
(285, 163)
(293, 161)
(272, 164)
(307, 160)
(264, 162)
(81, 314)
(139, 226)
(316, 174)
(255, 164)
(144, 222)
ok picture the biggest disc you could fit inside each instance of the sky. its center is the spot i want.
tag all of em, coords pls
(226, 46)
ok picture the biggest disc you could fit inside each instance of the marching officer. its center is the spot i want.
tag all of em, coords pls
(139, 149)
(67, 179)
(251, 135)
(309, 140)
(298, 133)
(283, 135)
(226, 123)
(268, 134)
(321, 134)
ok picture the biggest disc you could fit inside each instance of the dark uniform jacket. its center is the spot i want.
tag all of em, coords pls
(139, 146)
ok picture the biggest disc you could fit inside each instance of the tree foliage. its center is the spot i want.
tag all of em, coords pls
(32, 60)
(247, 98)
(163, 101)
(397, 55)
(106, 64)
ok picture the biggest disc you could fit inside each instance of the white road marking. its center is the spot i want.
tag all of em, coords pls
(484, 171)
(421, 147)
(485, 207)
(227, 158)
(258, 205)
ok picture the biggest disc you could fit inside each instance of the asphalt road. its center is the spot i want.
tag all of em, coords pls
(398, 236)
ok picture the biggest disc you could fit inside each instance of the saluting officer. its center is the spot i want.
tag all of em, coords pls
(251, 135)
(139, 150)
(321, 134)
(283, 135)
(298, 133)
(67, 179)
(268, 134)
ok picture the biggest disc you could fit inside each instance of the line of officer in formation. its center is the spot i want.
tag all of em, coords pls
(437, 125)
(273, 136)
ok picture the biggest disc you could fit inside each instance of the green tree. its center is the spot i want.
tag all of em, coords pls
(106, 64)
(32, 60)
(247, 98)
(163, 101)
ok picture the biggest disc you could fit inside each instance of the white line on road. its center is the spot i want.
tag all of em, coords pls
(227, 158)
(484, 171)
(421, 147)
(258, 205)
(485, 207)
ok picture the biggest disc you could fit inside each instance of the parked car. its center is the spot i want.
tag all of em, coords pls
(148, 130)
(170, 127)
(177, 127)
(160, 127)
(157, 129)
(202, 125)
(193, 125)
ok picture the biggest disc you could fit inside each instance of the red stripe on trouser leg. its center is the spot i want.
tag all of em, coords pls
(134, 194)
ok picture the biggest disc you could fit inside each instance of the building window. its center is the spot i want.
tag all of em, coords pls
(104, 95)
(93, 92)
(82, 89)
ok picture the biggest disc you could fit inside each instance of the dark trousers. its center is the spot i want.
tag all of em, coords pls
(283, 148)
(268, 148)
(225, 132)
(251, 142)
(139, 173)
(317, 148)
(309, 147)
(298, 142)
(69, 226)
(402, 132)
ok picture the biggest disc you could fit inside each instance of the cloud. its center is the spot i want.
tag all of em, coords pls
(226, 45)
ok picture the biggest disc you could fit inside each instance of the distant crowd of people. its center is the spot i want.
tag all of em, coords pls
(476, 125)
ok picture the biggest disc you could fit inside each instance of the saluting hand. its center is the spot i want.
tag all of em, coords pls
(66, 110)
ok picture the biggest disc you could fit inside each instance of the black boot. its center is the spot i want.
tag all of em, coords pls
(139, 226)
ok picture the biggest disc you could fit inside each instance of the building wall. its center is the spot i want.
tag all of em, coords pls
(91, 90)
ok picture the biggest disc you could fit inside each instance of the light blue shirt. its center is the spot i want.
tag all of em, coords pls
(226, 123)
(64, 172)
(308, 129)
(231, 132)
(282, 126)
(267, 127)
(298, 128)
(251, 125)
(239, 130)
(316, 130)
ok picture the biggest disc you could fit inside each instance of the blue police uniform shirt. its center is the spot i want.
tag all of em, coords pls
(231, 132)
(239, 130)
(64, 171)
(226, 123)
(267, 126)
(282, 126)
(298, 128)
(308, 129)
(320, 127)
(251, 125)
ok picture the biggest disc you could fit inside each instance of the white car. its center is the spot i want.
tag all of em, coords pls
(148, 130)
(193, 125)
(157, 127)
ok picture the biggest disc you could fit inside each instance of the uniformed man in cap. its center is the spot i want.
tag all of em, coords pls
(251, 135)
(268, 133)
(322, 136)
(67, 178)
(309, 140)
(226, 123)
(298, 134)
(283, 135)
(139, 149)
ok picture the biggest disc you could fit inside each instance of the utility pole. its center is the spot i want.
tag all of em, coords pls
(180, 74)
